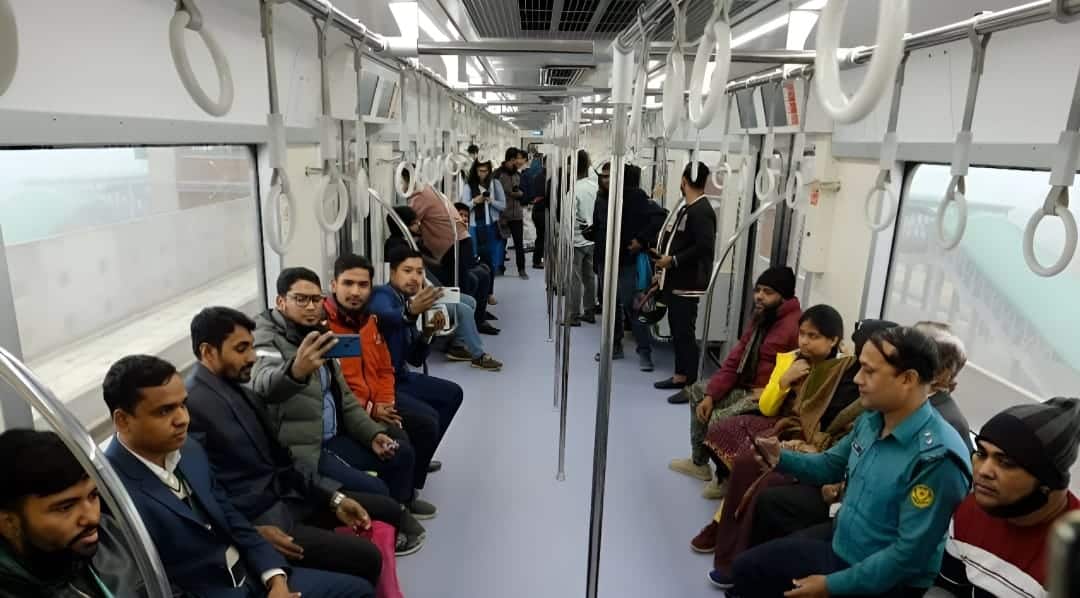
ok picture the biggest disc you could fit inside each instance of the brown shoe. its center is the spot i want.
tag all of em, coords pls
(705, 541)
(487, 362)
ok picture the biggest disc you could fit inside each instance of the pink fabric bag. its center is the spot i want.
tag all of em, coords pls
(384, 537)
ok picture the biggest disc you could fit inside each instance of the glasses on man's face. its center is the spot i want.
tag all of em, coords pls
(305, 300)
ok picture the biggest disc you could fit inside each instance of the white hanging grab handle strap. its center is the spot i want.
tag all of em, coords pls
(956, 192)
(9, 45)
(187, 16)
(717, 36)
(675, 73)
(330, 184)
(1057, 200)
(277, 147)
(635, 135)
(359, 181)
(892, 24)
(889, 146)
(767, 182)
(798, 146)
(403, 187)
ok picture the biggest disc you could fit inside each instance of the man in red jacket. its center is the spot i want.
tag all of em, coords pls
(773, 329)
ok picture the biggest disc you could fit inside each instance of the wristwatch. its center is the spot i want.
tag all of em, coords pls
(336, 500)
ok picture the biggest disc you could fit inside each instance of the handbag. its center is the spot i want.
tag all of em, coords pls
(384, 537)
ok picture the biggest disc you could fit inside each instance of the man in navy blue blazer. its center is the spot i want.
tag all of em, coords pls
(208, 548)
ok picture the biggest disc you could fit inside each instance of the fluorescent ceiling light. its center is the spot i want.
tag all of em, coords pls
(405, 15)
(773, 25)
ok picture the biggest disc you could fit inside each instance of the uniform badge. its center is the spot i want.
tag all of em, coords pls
(922, 496)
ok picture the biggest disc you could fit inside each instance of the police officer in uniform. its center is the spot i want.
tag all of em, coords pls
(906, 470)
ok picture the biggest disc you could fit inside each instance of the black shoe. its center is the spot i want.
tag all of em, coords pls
(679, 398)
(490, 316)
(523, 275)
(538, 266)
(617, 354)
(588, 318)
(574, 322)
(670, 384)
(486, 328)
(434, 466)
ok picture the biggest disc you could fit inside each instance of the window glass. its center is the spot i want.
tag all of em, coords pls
(1017, 325)
(112, 251)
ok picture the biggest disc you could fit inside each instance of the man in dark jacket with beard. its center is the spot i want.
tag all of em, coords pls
(641, 223)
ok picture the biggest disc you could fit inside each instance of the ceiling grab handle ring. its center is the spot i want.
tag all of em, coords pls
(403, 187)
(882, 188)
(962, 150)
(1057, 200)
(675, 75)
(188, 16)
(892, 24)
(9, 45)
(718, 36)
(723, 164)
(330, 183)
(280, 194)
(359, 175)
(766, 183)
(798, 148)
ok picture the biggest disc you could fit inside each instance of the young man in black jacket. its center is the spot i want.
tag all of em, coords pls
(686, 260)
(641, 222)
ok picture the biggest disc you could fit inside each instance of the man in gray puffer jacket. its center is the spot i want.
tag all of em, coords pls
(311, 407)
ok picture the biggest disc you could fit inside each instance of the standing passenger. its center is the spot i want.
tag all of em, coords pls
(509, 175)
(583, 284)
(485, 194)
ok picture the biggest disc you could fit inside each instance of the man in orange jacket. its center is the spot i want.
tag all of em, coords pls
(371, 376)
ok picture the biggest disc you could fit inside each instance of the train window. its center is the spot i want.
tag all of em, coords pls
(1018, 327)
(112, 250)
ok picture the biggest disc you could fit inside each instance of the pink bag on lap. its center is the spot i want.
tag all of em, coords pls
(384, 537)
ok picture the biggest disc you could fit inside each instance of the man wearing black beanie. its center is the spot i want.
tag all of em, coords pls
(998, 542)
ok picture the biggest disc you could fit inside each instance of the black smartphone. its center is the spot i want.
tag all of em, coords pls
(348, 345)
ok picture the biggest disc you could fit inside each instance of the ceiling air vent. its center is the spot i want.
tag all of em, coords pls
(561, 75)
(618, 16)
(577, 14)
(535, 14)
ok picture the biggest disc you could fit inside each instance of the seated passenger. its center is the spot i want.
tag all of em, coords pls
(821, 410)
(999, 538)
(371, 375)
(207, 547)
(906, 470)
(316, 415)
(54, 540)
(784, 510)
(731, 390)
(291, 505)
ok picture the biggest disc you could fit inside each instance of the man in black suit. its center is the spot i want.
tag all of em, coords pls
(208, 548)
(292, 507)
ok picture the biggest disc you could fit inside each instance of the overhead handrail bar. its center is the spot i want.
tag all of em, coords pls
(798, 148)
(1057, 200)
(892, 24)
(675, 74)
(359, 173)
(280, 192)
(94, 462)
(882, 188)
(956, 192)
(711, 288)
(9, 45)
(767, 183)
(331, 183)
(188, 16)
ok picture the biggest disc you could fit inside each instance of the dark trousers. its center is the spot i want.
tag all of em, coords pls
(625, 295)
(422, 425)
(443, 396)
(309, 582)
(344, 553)
(784, 510)
(682, 319)
(517, 231)
(346, 461)
(766, 571)
(476, 283)
(539, 218)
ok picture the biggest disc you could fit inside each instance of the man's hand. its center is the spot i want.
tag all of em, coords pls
(281, 542)
(795, 373)
(352, 514)
(437, 323)
(664, 262)
(809, 587)
(384, 446)
(278, 588)
(767, 452)
(309, 356)
(831, 493)
(704, 409)
(635, 247)
(386, 414)
(423, 300)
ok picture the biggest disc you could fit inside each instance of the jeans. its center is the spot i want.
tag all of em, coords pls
(466, 332)
(625, 296)
(583, 285)
(345, 460)
(443, 396)
(682, 318)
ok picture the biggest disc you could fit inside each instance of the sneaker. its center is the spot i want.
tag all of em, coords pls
(680, 398)
(459, 354)
(487, 362)
(688, 467)
(705, 541)
(422, 509)
(714, 490)
(720, 580)
(409, 525)
(523, 275)
(645, 363)
(434, 466)
(488, 329)
(407, 544)
(617, 354)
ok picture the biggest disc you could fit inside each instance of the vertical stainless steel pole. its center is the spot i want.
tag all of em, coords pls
(622, 77)
(549, 246)
(569, 221)
(562, 292)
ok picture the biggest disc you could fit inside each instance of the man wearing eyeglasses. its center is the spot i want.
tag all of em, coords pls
(316, 414)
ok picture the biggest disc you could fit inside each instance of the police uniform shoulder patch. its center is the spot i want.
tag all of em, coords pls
(922, 496)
